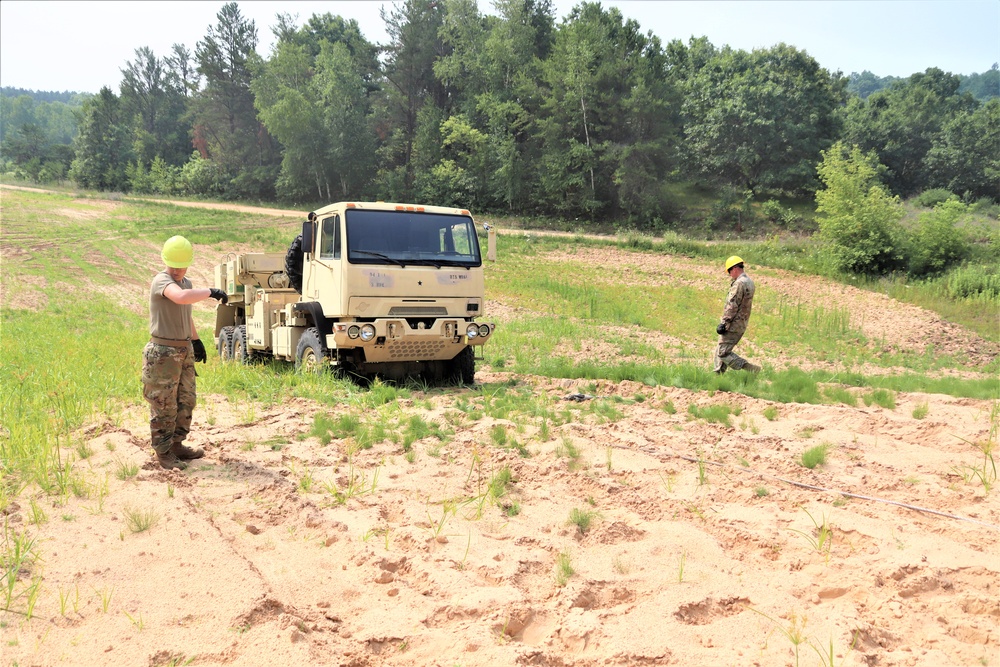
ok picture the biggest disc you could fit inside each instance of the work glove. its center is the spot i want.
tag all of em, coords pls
(216, 293)
(199, 350)
(721, 329)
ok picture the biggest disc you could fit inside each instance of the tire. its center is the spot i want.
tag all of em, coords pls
(225, 343)
(463, 367)
(241, 353)
(293, 264)
(311, 354)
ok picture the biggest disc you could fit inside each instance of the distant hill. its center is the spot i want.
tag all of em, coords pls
(70, 97)
(983, 86)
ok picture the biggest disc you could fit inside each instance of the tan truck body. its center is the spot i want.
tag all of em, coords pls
(385, 289)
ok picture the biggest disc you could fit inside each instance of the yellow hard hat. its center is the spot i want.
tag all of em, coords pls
(733, 261)
(177, 252)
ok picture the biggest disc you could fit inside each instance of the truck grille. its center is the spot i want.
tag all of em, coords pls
(416, 349)
(418, 311)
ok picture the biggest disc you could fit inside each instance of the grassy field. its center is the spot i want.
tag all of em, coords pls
(73, 322)
(76, 471)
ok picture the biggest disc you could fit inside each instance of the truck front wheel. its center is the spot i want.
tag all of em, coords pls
(463, 366)
(311, 352)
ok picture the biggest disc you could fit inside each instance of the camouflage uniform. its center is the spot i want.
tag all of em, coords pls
(736, 316)
(168, 375)
(169, 386)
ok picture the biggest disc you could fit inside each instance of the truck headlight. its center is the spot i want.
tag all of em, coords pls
(353, 331)
(367, 332)
(472, 330)
(484, 330)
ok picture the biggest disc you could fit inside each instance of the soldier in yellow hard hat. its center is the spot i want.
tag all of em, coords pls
(168, 376)
(735, 318)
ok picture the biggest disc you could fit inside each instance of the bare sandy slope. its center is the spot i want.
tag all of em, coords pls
(703, 548)
(243, 567)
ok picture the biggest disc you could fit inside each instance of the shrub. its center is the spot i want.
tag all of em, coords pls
(973, 281)
(938, 239)
(933, 197)
(201, 177)
(774, 212)
(860, 219)
(985, 206)
(733, 208)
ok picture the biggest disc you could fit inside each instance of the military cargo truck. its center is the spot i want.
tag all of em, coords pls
(370, 289)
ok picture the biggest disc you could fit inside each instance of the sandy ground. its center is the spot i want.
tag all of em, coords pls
(703, 547)
(686, 563)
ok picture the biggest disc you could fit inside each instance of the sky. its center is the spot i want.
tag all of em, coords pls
(82, 46)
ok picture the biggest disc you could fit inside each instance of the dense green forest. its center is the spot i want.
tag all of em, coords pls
(590, 118)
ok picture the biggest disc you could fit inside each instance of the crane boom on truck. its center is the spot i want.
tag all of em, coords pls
(368, 288)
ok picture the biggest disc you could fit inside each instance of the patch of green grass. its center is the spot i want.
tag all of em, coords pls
(564, 568)
(815, 456)
(498, 435)
(582, 519)
(140, 520)
(719, 414)
(881, 397)
(125, 470)
(840, 394)
(770, 413)
(921, 410)
(567, 449)
(499, 482)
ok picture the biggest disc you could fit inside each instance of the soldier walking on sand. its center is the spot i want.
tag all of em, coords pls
(735, 318)
(168, 375)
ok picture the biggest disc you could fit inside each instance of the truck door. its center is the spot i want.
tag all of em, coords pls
(327, 274)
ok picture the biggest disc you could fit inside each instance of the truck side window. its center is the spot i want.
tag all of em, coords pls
(328, 246)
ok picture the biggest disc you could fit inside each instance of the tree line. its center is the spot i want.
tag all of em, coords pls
(589, 118)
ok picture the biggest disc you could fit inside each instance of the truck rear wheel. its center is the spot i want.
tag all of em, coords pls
(225, 343)
(241, 353)
(311, 353)
(293, 264)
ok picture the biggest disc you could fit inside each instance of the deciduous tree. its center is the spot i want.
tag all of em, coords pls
(965, 156)
(759, 120)
(902, 122)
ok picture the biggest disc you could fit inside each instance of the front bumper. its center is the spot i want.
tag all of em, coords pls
(394, 339)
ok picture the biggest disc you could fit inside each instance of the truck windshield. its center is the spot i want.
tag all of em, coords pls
(403, 238)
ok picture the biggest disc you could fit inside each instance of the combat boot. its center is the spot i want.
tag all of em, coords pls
(751, 368)
(169, 461)
(184, 452)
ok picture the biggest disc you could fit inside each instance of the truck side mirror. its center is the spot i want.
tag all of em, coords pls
(308, 236)
(491, 242)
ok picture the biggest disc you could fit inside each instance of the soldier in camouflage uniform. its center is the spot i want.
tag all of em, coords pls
(735, 318)
(168, 359)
